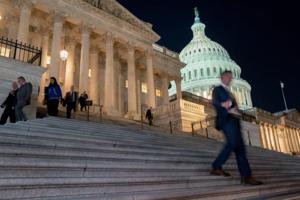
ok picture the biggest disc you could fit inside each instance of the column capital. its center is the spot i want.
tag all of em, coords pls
(109, 36)
(24, 4)
(149, 53)
(86, 28)
(58, 16)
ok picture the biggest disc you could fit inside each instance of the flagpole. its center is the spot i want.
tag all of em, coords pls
(282, 86)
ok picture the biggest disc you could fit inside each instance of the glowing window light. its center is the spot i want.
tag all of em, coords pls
(64, 55)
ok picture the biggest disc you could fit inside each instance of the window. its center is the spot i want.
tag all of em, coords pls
(126, 84)
(158, 92)
(190, 75)
(4, 52)
(184, 77)
(215, 71)
(208, 72)
(144, 88)
(195, 73)
(90, 73)
(202, 73)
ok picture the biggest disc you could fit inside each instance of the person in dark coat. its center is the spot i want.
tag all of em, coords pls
(228, 122)
(9, 105)
(82, 101)
(149, 116)
(53, 95)
(71, 101)
(23, 98)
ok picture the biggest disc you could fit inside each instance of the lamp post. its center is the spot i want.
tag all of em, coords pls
(282, 87)
(64, 55)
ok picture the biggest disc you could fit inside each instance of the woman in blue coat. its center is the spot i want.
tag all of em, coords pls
(53, 96)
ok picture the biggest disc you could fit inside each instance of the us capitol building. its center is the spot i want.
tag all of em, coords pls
(100, 47)
(205, 60)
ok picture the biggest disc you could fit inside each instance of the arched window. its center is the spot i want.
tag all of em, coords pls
(208, 72)
(201, 72)
(190, 75)
(215, 71)
(195, 73)
(184, 77)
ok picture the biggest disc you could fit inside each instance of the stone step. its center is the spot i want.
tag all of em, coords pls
(75, 186)
(60, 136)
(14, 160)
(36, 172)
(46, 151)
(191, 193)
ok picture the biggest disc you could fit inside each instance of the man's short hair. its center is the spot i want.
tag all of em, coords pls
(226, 72)
(21, 78)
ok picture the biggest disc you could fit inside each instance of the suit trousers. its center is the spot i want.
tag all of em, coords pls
(70, 107)
(20, 116)
(234, 143)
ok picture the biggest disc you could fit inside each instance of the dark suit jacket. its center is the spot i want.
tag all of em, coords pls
(24, 95)
(220, 95)
(69, 99)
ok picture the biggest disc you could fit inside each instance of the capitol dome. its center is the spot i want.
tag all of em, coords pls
(205, 60)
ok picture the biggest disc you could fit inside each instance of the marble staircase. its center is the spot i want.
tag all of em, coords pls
(60, 159)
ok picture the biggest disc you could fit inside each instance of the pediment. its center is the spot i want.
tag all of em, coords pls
(115, 9)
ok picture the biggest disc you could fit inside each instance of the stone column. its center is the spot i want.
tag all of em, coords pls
(94, 82)
(84, 59)
(291, 145)
(268, 144)
(150, 80)
(275, 130)
(24, 22)
(296, 140)
(56, 45)
(45, 76)
(109, 74)
(132, 97)
(12, 26)
(165, 89)
(178, 88)
(263, 136)
(70, 64)
(121, 91)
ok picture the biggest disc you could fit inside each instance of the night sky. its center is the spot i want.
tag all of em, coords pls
(261, 36)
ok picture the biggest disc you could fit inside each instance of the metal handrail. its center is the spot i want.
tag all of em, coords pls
(20, 51)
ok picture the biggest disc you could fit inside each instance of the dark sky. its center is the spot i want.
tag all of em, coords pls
(261, 36)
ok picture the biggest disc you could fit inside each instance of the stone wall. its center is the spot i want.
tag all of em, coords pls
(10, 70)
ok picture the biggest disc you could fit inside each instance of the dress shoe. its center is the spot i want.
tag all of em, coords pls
(219, 172)
(250, 181)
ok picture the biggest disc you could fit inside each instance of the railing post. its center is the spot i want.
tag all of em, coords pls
(207, 136)
(142, 119)
(171, 128)
(193, 131)
(249, 139)
(15, 51)
(101, 112)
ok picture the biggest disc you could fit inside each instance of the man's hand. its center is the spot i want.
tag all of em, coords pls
(227, 104)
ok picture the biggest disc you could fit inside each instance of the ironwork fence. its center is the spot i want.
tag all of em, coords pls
(20, 51)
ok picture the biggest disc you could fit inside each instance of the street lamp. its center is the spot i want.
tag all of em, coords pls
(64, 55)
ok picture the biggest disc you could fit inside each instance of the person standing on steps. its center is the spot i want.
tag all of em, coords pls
(228, 122)
(23, 98)
(53, 96)
(82, 101)
(149, 116)
(9, 105)
(71, 101)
